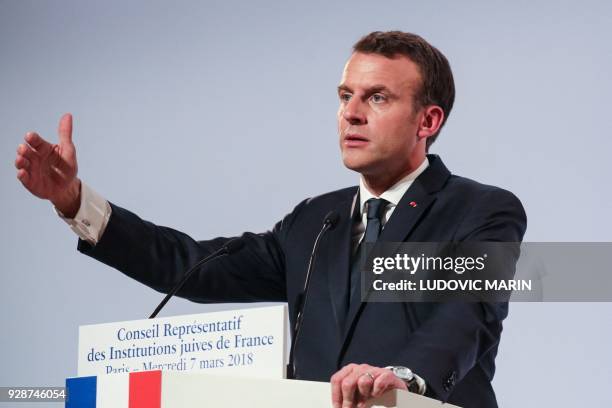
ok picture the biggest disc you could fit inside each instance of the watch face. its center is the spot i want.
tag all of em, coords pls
(403, 372)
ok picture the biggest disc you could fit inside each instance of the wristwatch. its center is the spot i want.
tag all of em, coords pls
(414, 383)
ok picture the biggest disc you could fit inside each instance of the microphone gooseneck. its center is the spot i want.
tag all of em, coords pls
(229, 248)
(329, 223)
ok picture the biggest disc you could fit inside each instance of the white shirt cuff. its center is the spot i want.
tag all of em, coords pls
(90, 221)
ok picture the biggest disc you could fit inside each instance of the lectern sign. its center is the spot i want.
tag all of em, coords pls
(248, 342)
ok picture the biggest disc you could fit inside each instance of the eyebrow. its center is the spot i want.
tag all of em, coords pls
(369, 91)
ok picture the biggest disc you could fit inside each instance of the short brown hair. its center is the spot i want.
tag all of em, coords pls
(438, 86)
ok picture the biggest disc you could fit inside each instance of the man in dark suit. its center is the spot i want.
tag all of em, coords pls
(396, 93)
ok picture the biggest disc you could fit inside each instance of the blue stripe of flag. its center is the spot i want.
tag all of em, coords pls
(81, 392)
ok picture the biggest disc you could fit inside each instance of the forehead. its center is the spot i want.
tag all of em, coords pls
(365, 70)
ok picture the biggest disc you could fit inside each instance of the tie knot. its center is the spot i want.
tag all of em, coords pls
(376, 208)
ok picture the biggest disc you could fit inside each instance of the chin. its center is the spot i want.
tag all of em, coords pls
(356, 165)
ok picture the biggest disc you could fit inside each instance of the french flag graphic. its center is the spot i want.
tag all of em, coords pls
(133, 390)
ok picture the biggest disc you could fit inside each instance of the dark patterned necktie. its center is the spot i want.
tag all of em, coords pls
(375, 210)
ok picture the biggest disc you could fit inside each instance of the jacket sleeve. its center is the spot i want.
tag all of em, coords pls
(458, 334)
(159, 256)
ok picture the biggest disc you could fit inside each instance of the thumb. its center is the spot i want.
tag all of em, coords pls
(65, 129)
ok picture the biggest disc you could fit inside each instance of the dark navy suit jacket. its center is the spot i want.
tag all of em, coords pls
(451, 345)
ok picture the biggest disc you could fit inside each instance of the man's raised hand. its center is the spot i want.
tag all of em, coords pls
(49, 170)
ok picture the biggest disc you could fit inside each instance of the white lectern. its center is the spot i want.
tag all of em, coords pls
(169, 389)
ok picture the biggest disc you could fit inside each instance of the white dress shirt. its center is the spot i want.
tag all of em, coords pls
(393, 195)
(90, 221)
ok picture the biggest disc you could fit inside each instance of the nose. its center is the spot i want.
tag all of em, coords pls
(354, 112)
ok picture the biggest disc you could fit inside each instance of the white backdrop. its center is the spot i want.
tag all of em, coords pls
(218, 117)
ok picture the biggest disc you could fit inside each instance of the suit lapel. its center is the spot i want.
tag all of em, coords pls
(407, 213)
(411, 208)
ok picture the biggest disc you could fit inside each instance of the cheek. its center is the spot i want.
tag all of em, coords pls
(388, 125)
(339, 119)
(397, 134)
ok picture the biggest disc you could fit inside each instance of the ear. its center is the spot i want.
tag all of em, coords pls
(431, 119)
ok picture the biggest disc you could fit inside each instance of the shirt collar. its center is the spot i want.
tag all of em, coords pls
(394, 194)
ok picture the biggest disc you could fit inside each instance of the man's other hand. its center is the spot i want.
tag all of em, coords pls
(49, 170)
(354, 384)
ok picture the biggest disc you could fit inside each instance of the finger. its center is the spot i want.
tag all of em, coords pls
(344, 371)
(336, 384)
(384, 382)
(23, 176)
(362, 404)
(27, 151)
(39, 144)
(364, 386)
(33, 158)
(348, 386)
(21, 162)
(65, 129)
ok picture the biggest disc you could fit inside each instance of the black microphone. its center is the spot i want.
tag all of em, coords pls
(229, 248)
(329, 223)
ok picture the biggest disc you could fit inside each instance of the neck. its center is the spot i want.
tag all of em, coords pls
(379, 183)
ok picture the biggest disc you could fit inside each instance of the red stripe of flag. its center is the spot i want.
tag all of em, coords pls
(145, 389)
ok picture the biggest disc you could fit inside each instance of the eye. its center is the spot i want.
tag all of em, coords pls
(345, 96)
(378, 98)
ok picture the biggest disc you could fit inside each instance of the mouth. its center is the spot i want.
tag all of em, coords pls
(355, 140)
